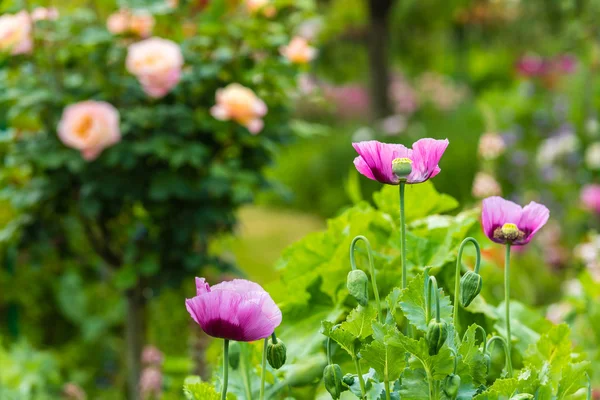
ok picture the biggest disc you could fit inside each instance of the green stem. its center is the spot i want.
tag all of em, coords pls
(264, 370)
(245, 372)
(274, 338)
(508, 360)
(455, 360)
(430, 382)
(403, 236)
(363, 389)
(432, 287)
(387, 388)
(329, 361)
(225, 368)
(507, 298)
(371, 270)
(457, 274)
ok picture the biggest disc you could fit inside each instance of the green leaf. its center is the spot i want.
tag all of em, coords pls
(414, 385)
(472, 357)
(195, 389)
(412, 302)
(573, 378)
(385, 359)
(342, 337)
(358, 323)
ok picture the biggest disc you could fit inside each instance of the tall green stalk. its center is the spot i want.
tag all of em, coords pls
(225, 369)
(363, 389)
(509, 367)
(264, 370)
(507, 299)
(403, 236)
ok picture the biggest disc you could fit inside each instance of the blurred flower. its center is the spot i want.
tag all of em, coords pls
(491, 146)
(556, 147)
(403, 96)
(363, 133)
(44, 14)
(264, 6)
(236, 310)
(351, 101)
(298, 51)
(310, 28)
(238, 103)
(573, 288)
(592, 156)
(440, 91)
(172, 3)
(591, 126)
(485, 185)
(393, 125)
(590, 197)
(151, 382)
(557, 313)
(15, 33)
(531, 65)
(156, 63)
(375, 159)
(566, 63)
(507, 222)
(139, 23)
(90, 127)
(151, 355)
(306, 84)
(72, 391)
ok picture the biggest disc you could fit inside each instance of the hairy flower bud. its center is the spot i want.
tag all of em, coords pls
(451, 386)
(276, 353)
(437, 333)
(358, 286)
(470, 287)
(332, 377)
(402, 167)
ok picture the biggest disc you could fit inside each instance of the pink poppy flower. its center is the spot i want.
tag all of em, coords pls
(236, 310)
(590, 197)
(375, 159)
(507, 222)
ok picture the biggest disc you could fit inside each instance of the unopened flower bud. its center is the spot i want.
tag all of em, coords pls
(451, 386)
(402, 167)
(470, 287)
(332, 377)
(437, 333)
(358, 286)
(276, 353)
(234, 355)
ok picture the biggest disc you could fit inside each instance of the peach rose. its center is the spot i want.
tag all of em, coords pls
(44, 14)
(157, 64)
(255, 6)
(15, 33)
(238, 103)
(298, 51)
(90, 127)
(141, 24)
(118, 22)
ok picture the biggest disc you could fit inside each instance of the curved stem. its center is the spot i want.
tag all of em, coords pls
(264, 370)
(245, 372)
(403, 235)
(225, 368)
(363, 389)
(507, 298)
(432, 286)
(274, 338)
(457, 274)
(371, 270)
(508, 360)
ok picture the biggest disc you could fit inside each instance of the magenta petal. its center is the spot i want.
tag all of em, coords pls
(426, 156)
(496, 212)
(238, 285)
(377, 158)
(534, 216)
(201, 286)
(363, 168)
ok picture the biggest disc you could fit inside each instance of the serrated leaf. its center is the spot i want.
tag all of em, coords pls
(195, 389)
(412, 302)
(472, 356)
(339, 335)
(359, 322)
(573, 378)
(385, 359)
(414, 385)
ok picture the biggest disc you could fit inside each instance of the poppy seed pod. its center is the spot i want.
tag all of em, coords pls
(437, 333)
(332, 377)
(402, 167)
(470, 287)
(451, 386)
(276, 353)
(358, 286)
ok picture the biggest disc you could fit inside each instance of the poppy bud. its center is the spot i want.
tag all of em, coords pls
(437, 333)
(234, 355)
(451, 386)
(402, 167)
(276, 353)
(470, 287)
(332, 377)
(358, 286)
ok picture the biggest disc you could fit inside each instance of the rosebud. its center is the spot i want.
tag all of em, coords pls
(451, 385)
(470, 286)
(234, 355)
(402, 167)
(358, 286)
(332, 377)
(276, 353)
(437, 333)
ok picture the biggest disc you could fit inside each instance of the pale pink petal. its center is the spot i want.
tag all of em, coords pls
(91, 154)
(534, 216)
(202, 286)
(238, 285)
(255, 126)
(363, 168)
(220, 113)
(260, 108)
(426, 156)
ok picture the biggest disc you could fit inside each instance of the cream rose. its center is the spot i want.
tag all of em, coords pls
(15, 33)
(298, 51)
(238, 103)
(139, 23)
(90, 127)
(118, 22)
(157, 64)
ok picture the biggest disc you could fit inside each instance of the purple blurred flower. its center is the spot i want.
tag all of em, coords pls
(566, 63)
(507, 222)
(151, 382)
(236, 310)
(531, 65)
(151, 355)
(590, 197)
(375, 159)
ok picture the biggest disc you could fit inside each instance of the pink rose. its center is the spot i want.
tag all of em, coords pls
(90, 127)
(15, 33)
(590, 197)
(44, 14)
(118, 22)
(156, 63)
(298, 51)
(238, 103)
(141, 24)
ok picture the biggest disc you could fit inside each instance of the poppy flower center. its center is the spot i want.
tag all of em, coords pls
(509, 233)
(402, 167)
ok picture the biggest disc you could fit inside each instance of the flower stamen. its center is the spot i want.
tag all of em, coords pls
(508, 232)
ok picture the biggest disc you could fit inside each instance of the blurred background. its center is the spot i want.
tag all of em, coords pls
(98, 256)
